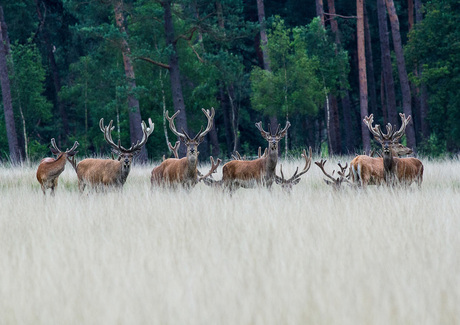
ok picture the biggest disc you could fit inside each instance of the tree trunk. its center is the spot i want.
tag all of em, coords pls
(410, 13)
(226, 112)
(370, 65)
(15, 155)
(403, 79)
(320, 10)
(174, 72)
(264, 43)
(135, 119)
(387, 69)
(424, 126)
(362, 74)
(54, 70)
(346, 107)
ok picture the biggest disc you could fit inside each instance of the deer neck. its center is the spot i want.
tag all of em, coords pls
(124, 172)
(191, 166)
(270, 163)
(59, 164)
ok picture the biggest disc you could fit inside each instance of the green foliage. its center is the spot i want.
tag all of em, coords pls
(434, 45)
(305, 65)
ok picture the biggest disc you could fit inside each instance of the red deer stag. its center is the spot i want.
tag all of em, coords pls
(49, 168)
(402, 171)
(173, 171)
(336, 183)
(105, 173)
(367, 170)
(261, 171)
(287, 184)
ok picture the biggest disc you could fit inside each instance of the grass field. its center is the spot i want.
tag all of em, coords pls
(378, 256)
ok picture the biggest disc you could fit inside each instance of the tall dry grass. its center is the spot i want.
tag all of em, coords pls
(378, 256)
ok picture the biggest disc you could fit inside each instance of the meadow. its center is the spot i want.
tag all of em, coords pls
(375, 256)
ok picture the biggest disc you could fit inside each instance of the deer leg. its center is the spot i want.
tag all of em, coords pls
(43, 189)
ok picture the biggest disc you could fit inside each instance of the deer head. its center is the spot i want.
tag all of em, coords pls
(287, 184)
(125, 156)
(273, 139)
(192, 143)
(390, 139)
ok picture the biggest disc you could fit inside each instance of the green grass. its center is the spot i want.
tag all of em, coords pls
(379, 256)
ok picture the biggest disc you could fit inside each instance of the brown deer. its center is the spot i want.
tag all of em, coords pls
(173, 171)
(336, 183)
(402, 171)
(287, 184)
(106, 173)
(49, 168)
(261, 171)
(367, 170)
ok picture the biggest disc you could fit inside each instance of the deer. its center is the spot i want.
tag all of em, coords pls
(287, 184)
(49, 169)
(173, 172)
(403, 171)
(261, 171)
(336, 183)
(237, 155)
(367, 170)
(110, 173)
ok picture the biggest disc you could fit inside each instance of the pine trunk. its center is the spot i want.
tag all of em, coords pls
(135, 119)
(346, 107)
(11, 134)
(174, 72)
(424, 126)
(362, 74)
(387, 69)
(403, 78)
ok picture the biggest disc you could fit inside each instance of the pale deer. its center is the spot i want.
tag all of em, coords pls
(403, 171)
(106, 173)
(173, 171)
(335, 182)
(287, 184)
(261, 171)
(367, 170)
(49, 168)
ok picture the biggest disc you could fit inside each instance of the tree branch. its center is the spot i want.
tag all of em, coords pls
(162, 65)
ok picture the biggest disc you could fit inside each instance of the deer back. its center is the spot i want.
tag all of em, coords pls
(173, 171)
(365, 170)
(101, 171)
(409, 170)
(244, 170)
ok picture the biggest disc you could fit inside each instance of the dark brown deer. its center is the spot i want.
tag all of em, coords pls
(287, 184)
(49, 168)
(106, 173)
(173, 171)
(261, 171)
(402, 171)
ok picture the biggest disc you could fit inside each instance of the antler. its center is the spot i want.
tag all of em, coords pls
(107, 130)
(368, 120)
(264, 133)
(237, 156)
(321, 164)
(210, 116)
(212, 170)
(172, 126)
(174, 149)
(305, 169)
(71, 150)
(404, 121)
(342, 172)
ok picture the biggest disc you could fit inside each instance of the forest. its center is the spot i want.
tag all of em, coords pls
(321, 65)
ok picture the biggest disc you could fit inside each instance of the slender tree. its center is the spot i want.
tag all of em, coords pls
(15, 155)
(403, 78)
(174, 71)
(135, 119)
(387, 68)
(363, 100)
(265, 55)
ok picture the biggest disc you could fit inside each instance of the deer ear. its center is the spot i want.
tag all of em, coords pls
(296, 181)
(54, 151)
